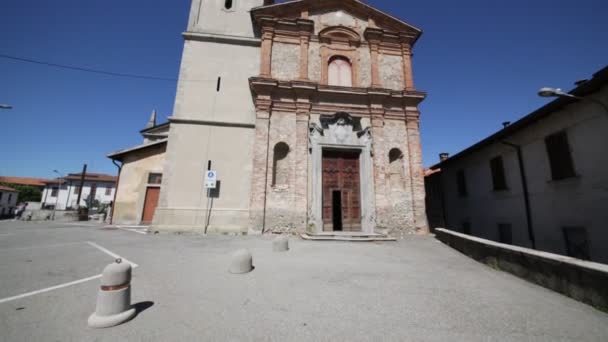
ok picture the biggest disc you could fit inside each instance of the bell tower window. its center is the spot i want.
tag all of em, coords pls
(228, 4)
(340, 72)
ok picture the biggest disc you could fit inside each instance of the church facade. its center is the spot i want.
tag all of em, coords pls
(307, 111)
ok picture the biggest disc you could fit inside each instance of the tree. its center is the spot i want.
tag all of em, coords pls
(27, 193)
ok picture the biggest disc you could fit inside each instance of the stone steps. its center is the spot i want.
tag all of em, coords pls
(346, 237)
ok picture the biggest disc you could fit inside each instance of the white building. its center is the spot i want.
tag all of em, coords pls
(563, 149)
(8, 200)
(63, 192)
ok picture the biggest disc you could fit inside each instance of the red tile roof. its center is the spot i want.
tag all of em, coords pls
(23, 181)
(6, 188)
(93, 177)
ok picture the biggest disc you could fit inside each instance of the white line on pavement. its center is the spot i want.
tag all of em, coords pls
(112, 254)
(80, 281)
(138, 231)
(4, 300)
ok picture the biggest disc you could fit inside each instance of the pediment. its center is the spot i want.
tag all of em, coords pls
(347, 13)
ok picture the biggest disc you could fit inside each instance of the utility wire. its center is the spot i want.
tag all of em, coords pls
(95, 71)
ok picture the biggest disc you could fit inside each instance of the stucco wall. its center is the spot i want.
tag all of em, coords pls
(210, 16)
(285, 61)
(133, 182)
(197, 95)
(391, 71)
(183, 202)
(578, 201)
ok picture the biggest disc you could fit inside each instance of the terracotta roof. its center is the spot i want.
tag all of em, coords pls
(99, 177)
(6, 188)
(23, 180)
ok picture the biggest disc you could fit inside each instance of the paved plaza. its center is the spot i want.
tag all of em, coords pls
(416, 289)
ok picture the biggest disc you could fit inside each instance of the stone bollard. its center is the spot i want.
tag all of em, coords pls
(241, 262)
(114, 297)
(280, 244)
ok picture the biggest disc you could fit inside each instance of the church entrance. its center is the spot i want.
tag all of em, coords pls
(341, 191)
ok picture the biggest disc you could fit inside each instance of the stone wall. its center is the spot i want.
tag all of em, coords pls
(391, 71)
(314, 62)
(399, 217)
(584, 281)
(285, 61)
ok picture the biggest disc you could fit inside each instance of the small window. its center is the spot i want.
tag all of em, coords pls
(466, 228)
(560, 158)
(461, 181)
(76, 189)
(10, 197)
(228, 4)
(1, 193)
(54, 191)
(108, 191)
(155, 178)
(505, 233)
(498, 174)
(577, 242)
(340, 72)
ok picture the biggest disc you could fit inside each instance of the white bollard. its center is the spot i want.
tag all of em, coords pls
(280, 244)
(241, 262)
(114, 297)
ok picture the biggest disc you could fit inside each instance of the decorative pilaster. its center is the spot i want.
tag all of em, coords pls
(407, 67)
(260, 166)
(266, 49)
(379, 152)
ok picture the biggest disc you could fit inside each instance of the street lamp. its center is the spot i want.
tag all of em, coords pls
(556, 92)
(5, 106)
(58, 191)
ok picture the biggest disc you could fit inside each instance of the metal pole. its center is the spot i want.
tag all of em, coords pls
(524, 183)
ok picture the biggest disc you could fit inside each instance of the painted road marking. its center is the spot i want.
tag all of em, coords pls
(112, 254)
(76, 282)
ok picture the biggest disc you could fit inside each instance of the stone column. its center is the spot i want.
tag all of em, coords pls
(408, 77)
(416, 172)
(260, 171)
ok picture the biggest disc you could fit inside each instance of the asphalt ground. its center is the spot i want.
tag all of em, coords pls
(416, 289)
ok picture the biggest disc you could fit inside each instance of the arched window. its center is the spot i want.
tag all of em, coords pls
(395, 169)
(280, 164)
(340, 72)
(228, 4)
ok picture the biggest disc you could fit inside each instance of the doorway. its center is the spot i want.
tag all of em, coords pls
(341, 191)
(150, 204)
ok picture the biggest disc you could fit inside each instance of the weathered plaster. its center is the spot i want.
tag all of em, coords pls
(391, 71)
(285, 61)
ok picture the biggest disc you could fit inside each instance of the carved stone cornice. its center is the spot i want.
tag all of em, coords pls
(302, 96)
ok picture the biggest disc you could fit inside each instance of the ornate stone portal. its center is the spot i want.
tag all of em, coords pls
(340, 132)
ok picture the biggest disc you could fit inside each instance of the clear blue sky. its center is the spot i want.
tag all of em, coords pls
(480, 61)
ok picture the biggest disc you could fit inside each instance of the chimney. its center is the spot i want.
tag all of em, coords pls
(444, 156)
(506, 124)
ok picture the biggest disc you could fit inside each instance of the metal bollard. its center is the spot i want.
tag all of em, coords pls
(114, 297)
(280, 244)
(241, 262)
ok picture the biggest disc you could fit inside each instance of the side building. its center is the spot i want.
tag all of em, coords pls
(8, 201)
(540, 182)
(62, 193)
(140, 176)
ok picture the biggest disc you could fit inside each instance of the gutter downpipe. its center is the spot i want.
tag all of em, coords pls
(266, 180)
(115, 190)
(524, 183)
